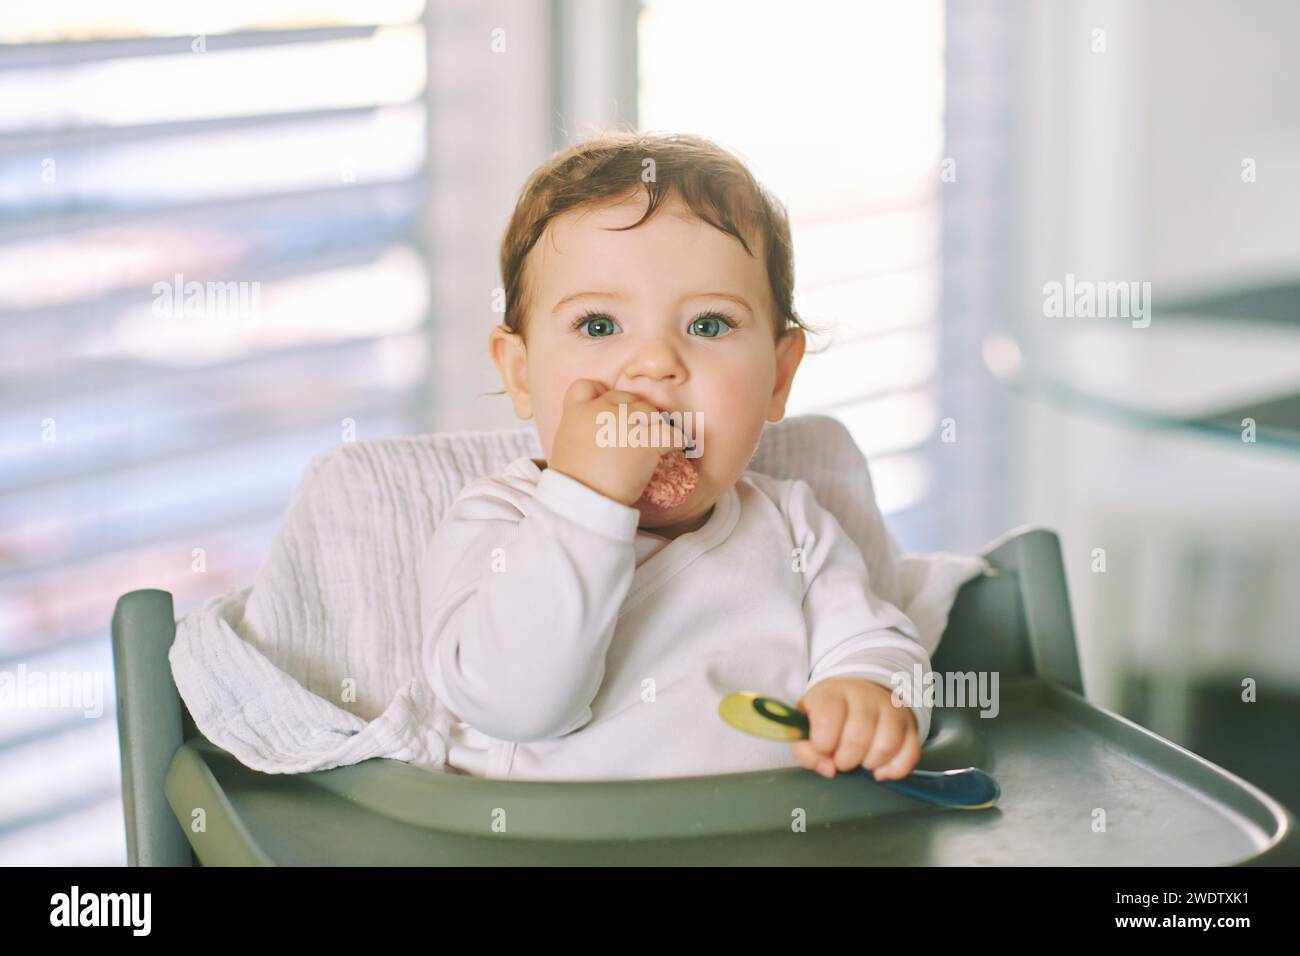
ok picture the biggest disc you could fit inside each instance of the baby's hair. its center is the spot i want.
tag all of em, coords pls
(609, 167)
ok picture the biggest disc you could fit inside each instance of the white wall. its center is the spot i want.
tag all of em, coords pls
(1136, 151)
(1218, 83)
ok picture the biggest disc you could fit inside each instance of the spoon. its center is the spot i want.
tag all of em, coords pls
(769, 718)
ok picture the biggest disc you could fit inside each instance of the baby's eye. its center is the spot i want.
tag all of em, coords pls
(598, 320)
(712, 321)
(601, 326)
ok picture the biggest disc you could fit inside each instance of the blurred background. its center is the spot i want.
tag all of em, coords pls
(1054, 246)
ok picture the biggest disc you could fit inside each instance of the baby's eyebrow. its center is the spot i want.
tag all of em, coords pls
(686, 298)
(718, 295)
(582, 295)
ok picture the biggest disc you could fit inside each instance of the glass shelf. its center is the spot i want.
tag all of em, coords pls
(1197, 374)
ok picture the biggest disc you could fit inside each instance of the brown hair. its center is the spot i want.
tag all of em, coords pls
(714, 184)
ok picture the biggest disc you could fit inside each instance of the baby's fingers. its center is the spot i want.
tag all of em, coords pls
(904, 761)
(810, 759)
(885, 742)
(858, 734)
(826, 714)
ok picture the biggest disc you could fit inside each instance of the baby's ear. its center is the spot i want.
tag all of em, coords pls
(510, 356)
(789, 353)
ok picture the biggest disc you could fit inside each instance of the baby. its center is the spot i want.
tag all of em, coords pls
(584, 614)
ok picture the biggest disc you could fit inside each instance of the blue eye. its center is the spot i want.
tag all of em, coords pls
(712, 323)
(712, 320)
(596, 318)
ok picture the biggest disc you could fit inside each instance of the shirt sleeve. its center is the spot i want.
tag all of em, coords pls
(852, 632)
(519, 600)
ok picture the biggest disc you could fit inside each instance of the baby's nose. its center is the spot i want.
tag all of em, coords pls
(656, 359)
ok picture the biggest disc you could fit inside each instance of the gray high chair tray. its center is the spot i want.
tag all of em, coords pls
(1058, 759)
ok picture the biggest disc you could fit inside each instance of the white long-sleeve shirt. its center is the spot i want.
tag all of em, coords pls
(566, 644)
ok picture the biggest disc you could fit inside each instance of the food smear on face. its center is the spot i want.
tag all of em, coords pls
(673, 481)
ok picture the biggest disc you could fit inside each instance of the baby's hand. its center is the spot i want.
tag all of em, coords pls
(618, 472)
(853, 723)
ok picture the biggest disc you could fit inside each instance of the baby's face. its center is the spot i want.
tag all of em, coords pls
(663, 293)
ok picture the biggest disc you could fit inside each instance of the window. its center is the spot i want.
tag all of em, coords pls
(210, 270)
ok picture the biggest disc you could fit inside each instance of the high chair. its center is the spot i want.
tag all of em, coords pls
(1080, 785)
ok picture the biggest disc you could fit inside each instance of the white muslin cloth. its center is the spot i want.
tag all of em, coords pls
(317, 663)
